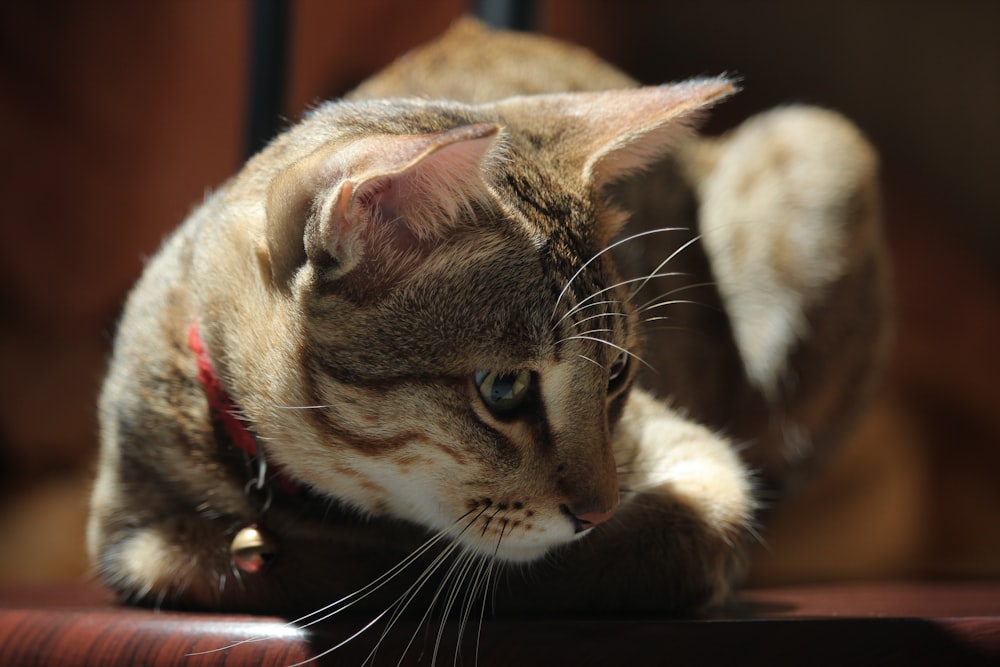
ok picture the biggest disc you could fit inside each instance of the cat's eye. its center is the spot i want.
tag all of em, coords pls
(503, 392)
(617, 373)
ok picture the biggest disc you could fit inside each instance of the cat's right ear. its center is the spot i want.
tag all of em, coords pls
(343, 197)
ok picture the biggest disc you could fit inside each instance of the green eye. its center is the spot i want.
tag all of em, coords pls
(503, 392)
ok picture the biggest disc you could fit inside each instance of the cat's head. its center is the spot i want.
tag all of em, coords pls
(463, 348)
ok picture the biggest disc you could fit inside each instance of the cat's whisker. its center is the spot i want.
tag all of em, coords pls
(583, 305)
(289, 626)
(614, 245)
(584, 333)
(645, 320)
(432, 605)
(467, 559)
(328, 611)
(652, 302)
(342, 643)
(347, 601)
(662, 318)
(675, 302)
(659, 318)
(403, 601)
(484, 576)
(594, 331)
(662, 264)
(599, 315)
(486, 592)
(401, 607)
(610, 344)
(400, 604)
(598, 364)
(468, 598)
(622, 283)
(471, 595)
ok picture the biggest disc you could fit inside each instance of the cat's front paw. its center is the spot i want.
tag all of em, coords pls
(662, 554)
(678, 542)
(688, 510)
(673, 557)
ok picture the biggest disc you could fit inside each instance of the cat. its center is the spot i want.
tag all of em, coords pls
(498, 312)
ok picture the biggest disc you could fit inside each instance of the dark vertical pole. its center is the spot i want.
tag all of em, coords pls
(508, 14)
(268, 72)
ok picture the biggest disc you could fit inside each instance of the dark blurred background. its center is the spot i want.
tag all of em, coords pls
(117, 116)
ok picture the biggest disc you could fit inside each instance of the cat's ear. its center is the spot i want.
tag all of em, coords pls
(374, 189)
(610, 134)
(636, 128)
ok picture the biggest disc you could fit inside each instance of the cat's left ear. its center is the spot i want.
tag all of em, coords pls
(613, 133)
(345, 198)
(631, 129)
(608, 135)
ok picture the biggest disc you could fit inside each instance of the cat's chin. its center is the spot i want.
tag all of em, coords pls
(514, 551)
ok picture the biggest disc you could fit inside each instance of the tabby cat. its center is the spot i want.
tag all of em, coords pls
(498, 313)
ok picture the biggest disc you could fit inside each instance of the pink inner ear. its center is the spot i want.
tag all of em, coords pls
(385, 199)
(370, 199)
(401, 191)
(423, 182)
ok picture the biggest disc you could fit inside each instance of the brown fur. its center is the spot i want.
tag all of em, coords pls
(353, 278)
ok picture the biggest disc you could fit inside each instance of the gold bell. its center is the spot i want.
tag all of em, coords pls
(251, 550)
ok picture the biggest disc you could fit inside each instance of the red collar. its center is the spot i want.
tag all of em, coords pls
(225, 411)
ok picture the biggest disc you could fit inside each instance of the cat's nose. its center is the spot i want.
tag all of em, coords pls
(585, 518)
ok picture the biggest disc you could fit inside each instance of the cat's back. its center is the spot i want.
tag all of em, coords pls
(474, 64)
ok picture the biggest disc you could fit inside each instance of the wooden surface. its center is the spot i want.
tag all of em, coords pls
(849, 624)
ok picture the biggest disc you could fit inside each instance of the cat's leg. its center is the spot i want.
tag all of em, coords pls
(789, 218)
(687, 505)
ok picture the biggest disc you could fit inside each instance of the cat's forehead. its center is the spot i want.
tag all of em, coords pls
(497, 301)
(506, 285)
(538, 193)
(565, 226)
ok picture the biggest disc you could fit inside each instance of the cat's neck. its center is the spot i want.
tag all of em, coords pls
(226, 413)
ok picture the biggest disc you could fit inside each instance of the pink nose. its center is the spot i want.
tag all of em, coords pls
(588, 519)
